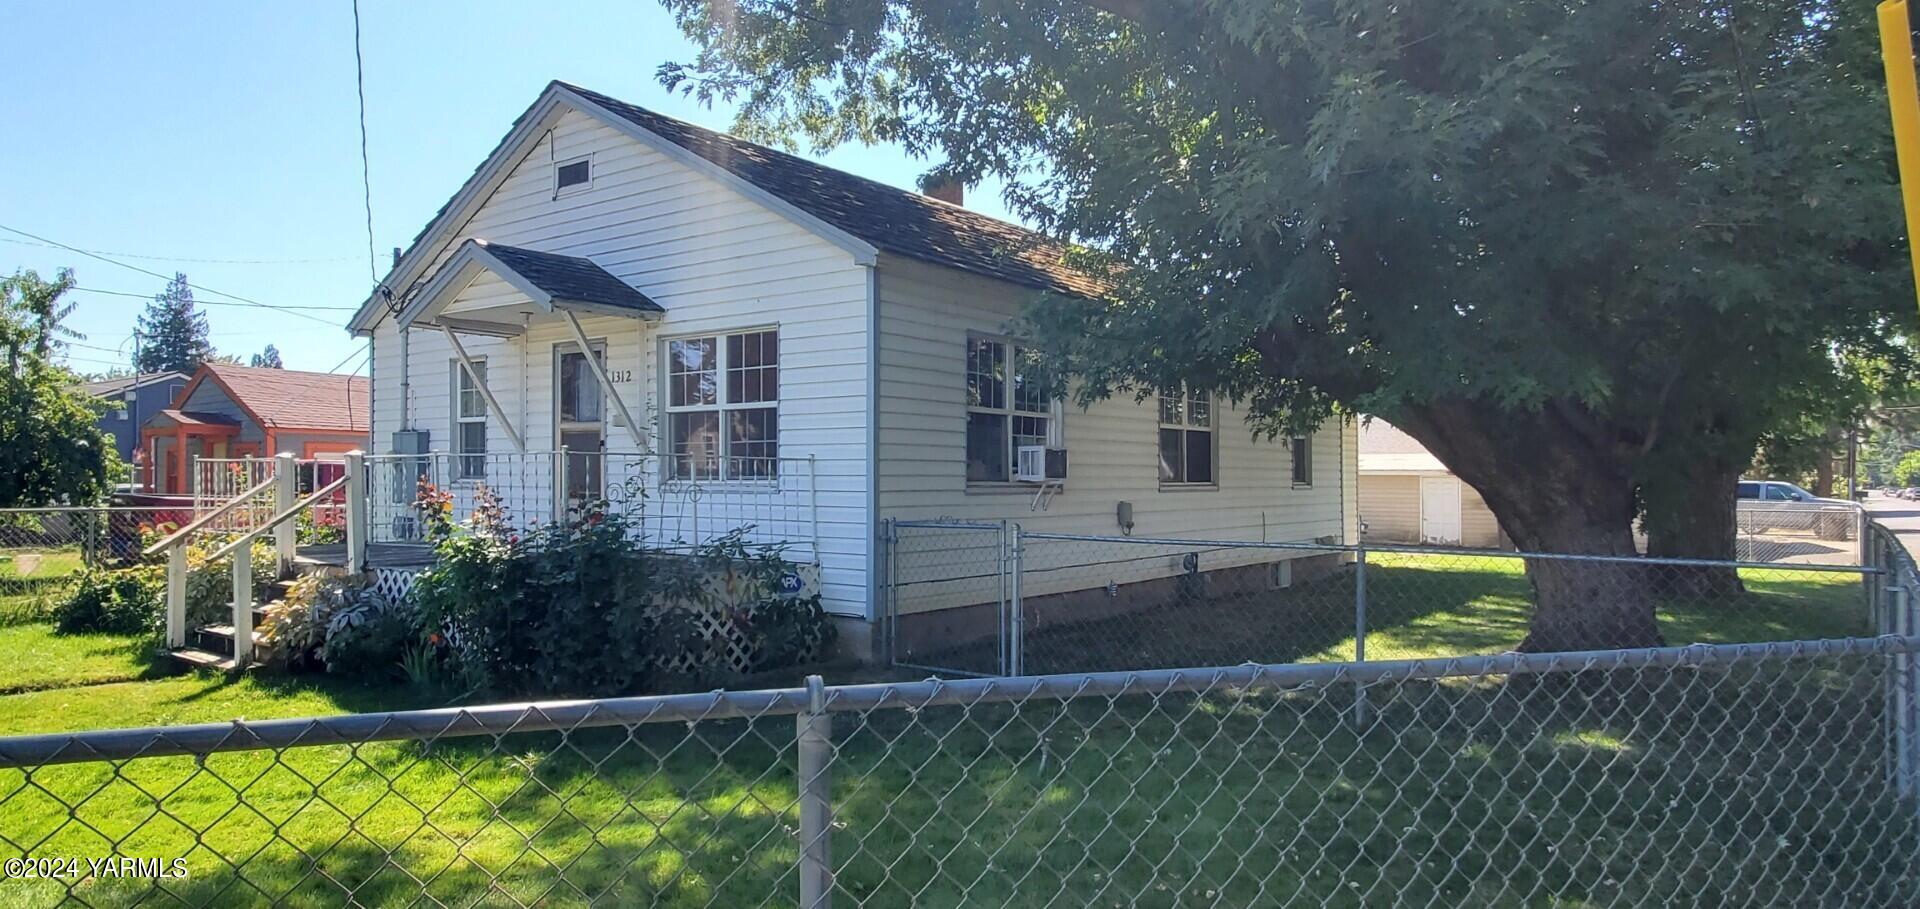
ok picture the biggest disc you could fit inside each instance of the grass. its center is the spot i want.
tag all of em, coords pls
(1419, 606)
(1756, 785)
(36, 658)
(31, 577)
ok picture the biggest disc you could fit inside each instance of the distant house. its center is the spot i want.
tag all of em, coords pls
(226, 411)
(131, 401)
(1408, 496)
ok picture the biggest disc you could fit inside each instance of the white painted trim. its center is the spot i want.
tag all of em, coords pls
(499, 413)
(532, 126)
(874, 593)
(519, 144)
(561, 192)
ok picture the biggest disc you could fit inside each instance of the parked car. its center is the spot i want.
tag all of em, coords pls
(1778, 505)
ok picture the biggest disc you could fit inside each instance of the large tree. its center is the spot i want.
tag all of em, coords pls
(52, 450)
(36, 306)
(173, 331)
(1559, 243)
(268, 358)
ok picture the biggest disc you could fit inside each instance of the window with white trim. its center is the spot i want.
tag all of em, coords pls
(1006, 407)
(1302, 456)
(1187, 450)
(723, 415)
(470, 420)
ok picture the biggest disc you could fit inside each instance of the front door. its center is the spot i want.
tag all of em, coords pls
(1440, 510)
(581, 429)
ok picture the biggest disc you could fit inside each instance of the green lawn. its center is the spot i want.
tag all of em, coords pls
(1756, 785)
(1419, 606)
(30, 578)
(32, 658)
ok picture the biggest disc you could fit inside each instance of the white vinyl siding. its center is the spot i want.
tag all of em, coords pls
(927, 314)
(717, 262)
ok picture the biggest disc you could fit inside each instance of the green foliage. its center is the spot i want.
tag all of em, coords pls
(315, 527)
(1906, 471)
(342, 624)
(210, 583)
(173, 331)
(268, 359)
(576, 608)
(52, 450)
(126, 601)
(1567, 246)
(368, 639)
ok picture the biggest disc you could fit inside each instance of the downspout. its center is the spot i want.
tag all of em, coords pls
(873, 443)
(372, 387)
(406, 376)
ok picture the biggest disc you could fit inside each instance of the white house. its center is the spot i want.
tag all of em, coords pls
(780, 344)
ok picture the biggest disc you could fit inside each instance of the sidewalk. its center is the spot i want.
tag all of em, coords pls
(1898, 515)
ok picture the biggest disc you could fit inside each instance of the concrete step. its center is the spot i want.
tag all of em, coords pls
(202, 659)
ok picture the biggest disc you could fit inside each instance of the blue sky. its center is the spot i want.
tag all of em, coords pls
(220, 139)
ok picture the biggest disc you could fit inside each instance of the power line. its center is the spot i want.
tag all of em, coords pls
(366, 170)
(187, 259)
(356, 354)
(148, 271)
(122, 293)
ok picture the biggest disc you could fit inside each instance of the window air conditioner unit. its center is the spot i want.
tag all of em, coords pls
(1039, 464)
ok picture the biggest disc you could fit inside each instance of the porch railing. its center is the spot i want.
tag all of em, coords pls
(670, 502)
(271, 504)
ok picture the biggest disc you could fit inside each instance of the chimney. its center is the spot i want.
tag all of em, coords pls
(396, 257)
(947, 191)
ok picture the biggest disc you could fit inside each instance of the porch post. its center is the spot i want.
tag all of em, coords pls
(499, 414)
(286, 489)
(600, 373)
(356, 512)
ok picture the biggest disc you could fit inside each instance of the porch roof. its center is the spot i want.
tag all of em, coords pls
(551, 282)
(197, 422)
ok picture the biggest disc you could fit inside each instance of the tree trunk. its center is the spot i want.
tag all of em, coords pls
(1693, 513)
(1559, 481)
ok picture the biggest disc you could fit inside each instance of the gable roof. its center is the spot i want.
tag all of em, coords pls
(289, 398)
(891, 219)
(119, 385)
(569, 277)
(1386, 448)
(856, 213)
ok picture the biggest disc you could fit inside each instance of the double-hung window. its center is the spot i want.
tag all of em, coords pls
(1187, 451)
(1006, 407)
(470, 420)
(723, 414)
(1302, 456)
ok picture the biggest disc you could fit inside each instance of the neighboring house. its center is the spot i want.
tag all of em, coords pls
(227, 411)
(1408, 496)
(130, 401)
(772, 327)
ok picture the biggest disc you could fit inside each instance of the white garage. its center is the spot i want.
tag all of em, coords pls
(1408, 496)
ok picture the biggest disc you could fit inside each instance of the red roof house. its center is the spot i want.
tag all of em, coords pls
(228, 411)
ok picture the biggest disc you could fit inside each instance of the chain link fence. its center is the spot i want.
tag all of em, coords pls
(973, 599)
(1775, 774)
(41, 549)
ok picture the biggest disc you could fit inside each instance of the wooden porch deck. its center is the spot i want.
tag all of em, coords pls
(379, 555)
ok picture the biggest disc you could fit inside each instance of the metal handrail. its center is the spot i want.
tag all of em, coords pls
(201, 521)
(276, 520)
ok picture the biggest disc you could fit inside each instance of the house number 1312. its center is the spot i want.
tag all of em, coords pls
(619, 375)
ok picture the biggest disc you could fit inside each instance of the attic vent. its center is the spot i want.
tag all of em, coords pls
(573, 173)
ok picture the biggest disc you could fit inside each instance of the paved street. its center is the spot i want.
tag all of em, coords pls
(1898, 515)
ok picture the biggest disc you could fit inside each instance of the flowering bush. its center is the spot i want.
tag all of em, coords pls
(578, 608)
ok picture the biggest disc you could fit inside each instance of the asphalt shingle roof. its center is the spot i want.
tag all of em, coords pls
(891, 219)
(570, 277)
(290, 399)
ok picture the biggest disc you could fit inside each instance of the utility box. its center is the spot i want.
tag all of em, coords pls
(412, 441)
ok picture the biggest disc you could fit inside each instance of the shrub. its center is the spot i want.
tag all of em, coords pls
(315, 527)
(577, 608)
(210, 583)
(340, 623)
(369, 638)
(127, 601)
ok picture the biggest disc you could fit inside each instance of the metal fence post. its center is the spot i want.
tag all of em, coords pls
(813, 734)
(1016, 655)
(1360, 706)
(1898, 678)
(889, 616)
